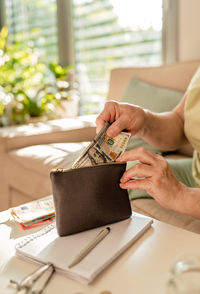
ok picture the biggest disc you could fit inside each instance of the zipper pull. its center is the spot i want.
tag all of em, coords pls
(57, 169)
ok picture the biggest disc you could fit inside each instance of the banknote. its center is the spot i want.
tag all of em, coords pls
(103, 149)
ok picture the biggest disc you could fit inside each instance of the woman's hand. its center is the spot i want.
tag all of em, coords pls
(155, 176)
(122, 116)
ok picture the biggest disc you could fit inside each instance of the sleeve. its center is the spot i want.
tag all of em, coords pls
(195, 81)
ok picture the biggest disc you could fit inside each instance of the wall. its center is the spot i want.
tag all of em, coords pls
(188, 30)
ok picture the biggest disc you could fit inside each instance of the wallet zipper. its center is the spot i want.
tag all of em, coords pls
(60, 169)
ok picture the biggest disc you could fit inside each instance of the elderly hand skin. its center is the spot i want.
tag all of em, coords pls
(164, 131)
(122, 116)
(156, 177)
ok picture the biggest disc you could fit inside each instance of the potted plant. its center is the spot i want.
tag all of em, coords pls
(29, 88)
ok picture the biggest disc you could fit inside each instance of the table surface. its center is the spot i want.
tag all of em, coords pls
(143, 268)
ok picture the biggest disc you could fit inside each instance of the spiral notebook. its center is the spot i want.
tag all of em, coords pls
(46, 246)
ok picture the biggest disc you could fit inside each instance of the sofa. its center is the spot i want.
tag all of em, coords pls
(29, 152)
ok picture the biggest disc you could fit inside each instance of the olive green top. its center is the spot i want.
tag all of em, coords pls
(192, 122)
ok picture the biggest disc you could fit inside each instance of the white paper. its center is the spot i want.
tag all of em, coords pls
(47, 246)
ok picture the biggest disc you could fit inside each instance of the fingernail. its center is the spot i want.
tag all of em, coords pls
(109, 134)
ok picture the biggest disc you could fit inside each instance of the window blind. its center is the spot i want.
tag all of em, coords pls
(106, 36)
(38, 19)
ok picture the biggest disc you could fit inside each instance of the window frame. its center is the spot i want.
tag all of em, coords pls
(2, 16)
(170, 31)
(65, 31)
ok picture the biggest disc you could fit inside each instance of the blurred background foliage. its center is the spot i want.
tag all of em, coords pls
(28, 87)
(95, 36)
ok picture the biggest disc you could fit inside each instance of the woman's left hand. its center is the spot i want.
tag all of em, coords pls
(155, 176)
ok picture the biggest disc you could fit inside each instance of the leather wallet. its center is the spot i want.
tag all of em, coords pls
(89, 197)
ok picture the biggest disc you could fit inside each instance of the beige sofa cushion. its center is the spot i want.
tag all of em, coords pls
(151, 208)
(28, 168)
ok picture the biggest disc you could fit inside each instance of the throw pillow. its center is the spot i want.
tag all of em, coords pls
(148, 96)
(151, 97)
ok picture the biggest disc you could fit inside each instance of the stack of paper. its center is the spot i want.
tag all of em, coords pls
(47, 247)
(34, 213)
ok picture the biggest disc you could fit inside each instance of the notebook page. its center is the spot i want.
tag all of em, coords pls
(49, 247)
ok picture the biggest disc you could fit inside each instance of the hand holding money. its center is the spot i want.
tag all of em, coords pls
(103, 149)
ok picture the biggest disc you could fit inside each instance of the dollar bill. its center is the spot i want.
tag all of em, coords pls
(103, 149)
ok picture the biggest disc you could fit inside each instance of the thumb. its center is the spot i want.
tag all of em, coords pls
(116, 127)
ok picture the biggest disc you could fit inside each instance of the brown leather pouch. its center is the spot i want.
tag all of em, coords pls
(89, 197)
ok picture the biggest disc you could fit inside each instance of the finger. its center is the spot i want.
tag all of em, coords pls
(138, 170)
(100, 122)
(139, 184)
(142, 154)
(117, 126)
(99, 126)
(108, 114)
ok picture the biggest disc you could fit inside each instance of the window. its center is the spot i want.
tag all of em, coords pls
(106, 33)
(113, 33)
(38, 19)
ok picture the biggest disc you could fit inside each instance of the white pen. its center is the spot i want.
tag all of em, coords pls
(102, 234)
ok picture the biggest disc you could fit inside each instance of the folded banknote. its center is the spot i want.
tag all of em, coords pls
(103, 149)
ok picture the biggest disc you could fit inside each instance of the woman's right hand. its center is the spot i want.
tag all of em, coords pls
(122, 116)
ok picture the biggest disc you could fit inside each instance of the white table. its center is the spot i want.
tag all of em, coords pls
(142, 269)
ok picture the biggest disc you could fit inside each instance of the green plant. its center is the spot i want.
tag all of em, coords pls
(28, 87)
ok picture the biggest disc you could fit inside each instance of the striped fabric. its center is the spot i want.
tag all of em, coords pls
(103, 40)
(39, 20)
